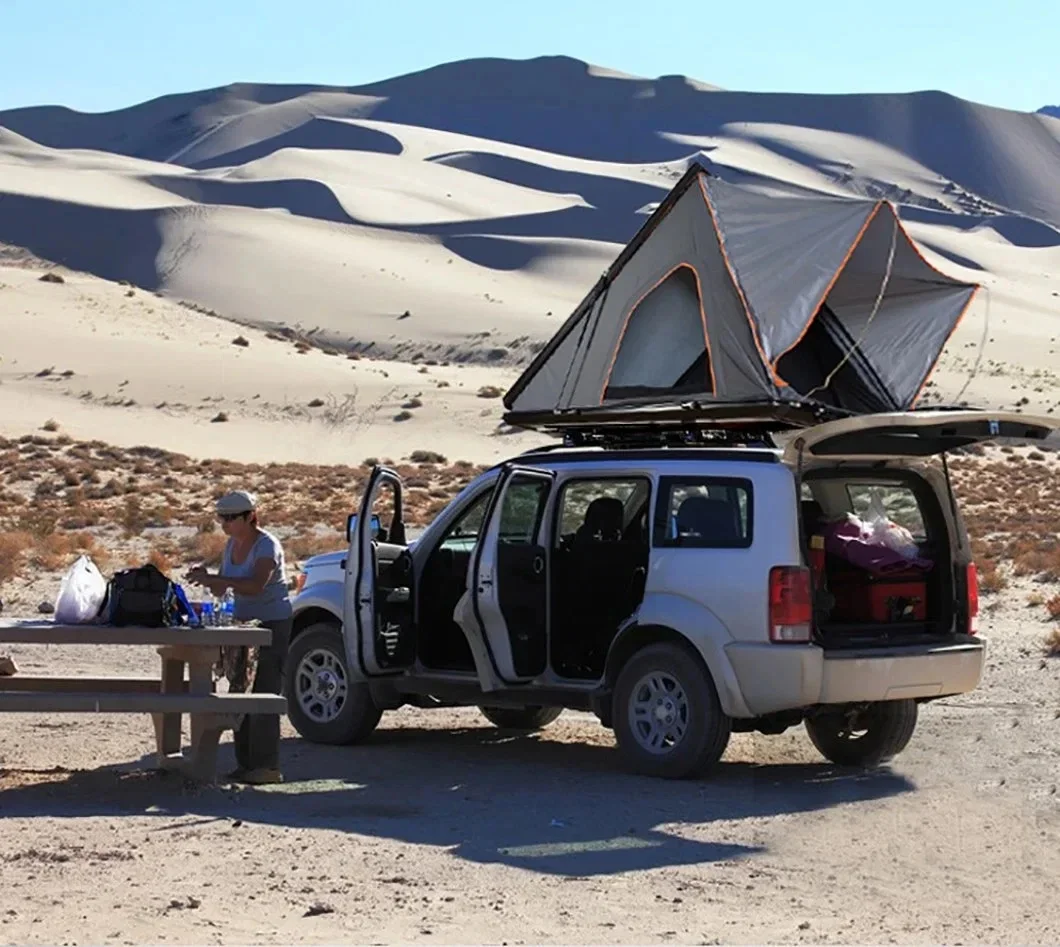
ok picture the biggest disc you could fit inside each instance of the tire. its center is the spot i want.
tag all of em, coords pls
(660, 746)
(874, 735)
(527, 719)
(343, 711)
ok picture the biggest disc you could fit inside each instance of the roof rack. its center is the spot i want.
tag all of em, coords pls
(685, 424)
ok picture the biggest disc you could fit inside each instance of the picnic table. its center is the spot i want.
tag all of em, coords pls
(166, 698)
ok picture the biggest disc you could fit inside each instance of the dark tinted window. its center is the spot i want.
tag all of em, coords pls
(704, 513)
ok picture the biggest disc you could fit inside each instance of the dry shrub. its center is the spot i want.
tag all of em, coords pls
(1052, 607)
(207, 548)
(299, 548)
(13, 546)
(991, 580)
(133, 518)
(1052, 643)
(55, 551)
(160, 560)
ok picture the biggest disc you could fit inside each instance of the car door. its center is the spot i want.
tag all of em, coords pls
(377, 599)
(508, 576)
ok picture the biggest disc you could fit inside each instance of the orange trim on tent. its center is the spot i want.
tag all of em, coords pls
(633, 309)
(736, 282)
(960, 318)
(831, 284)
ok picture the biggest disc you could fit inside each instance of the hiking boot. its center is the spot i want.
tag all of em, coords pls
(236, 775)
(260, 777)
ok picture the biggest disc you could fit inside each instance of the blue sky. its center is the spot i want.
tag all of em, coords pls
(102, 54)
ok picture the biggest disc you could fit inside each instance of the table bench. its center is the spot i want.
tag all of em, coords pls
(166, 698)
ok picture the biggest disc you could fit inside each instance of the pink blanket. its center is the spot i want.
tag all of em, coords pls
(849, 541)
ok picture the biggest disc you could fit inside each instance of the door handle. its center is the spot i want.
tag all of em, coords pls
(539, 565)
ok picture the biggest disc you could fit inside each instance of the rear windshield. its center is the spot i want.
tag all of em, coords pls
(867, 499)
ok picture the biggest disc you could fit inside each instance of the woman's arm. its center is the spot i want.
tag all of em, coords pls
(217, 583)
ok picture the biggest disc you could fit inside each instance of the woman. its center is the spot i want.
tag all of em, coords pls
(253, 568)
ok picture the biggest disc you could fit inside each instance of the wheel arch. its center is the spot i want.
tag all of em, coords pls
(702, 648)
(313, 615)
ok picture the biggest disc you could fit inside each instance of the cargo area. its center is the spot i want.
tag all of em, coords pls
(881, 558)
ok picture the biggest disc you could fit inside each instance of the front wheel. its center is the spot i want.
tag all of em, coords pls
(323, 704)
(866, 736)
(667, 716)
(521, 718)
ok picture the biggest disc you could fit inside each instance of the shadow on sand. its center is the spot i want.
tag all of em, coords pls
(489, 797)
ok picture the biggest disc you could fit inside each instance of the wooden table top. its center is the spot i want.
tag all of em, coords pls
(48, 632)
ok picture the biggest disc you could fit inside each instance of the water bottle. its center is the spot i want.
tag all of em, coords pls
(228, 608)
(207, 613)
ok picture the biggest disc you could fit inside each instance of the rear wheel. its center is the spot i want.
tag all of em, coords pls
(667, 717)
(323, 704)
(864, 736)
(521, 718)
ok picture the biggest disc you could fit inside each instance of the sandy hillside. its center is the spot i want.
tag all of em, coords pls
(461, 212)
(107, 362)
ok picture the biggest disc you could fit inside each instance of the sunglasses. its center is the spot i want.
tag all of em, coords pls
(229, 517)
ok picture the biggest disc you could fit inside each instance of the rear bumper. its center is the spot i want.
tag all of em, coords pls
(775, 677)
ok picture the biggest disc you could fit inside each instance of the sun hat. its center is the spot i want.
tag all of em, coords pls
(238, 501)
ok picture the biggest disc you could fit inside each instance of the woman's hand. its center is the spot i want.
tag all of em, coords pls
(199, 576)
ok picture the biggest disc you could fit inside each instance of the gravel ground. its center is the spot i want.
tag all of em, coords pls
(444, 830)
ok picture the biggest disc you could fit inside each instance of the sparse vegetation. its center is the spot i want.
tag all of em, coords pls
(427, 457)
(220, 418)
(51, 425)
(52, 277)
(317, 403)
(490, 391)
(403, 416)
(241, 341)
(1052, 607)
(60, 497)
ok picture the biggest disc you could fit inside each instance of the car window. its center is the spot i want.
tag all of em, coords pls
(899, 503)
(522, 509)
(464, 533)
(579, 495)
(704, 513)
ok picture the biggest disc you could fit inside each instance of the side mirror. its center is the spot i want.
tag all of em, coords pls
(351, 525)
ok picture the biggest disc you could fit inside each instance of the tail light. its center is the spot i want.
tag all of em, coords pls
(971, 584)
(790, 604)
(299, 582)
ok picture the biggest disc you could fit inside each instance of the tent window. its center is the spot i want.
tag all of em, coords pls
(663, 349)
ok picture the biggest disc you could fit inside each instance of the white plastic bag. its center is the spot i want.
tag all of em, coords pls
(81, 593)
(883, 531)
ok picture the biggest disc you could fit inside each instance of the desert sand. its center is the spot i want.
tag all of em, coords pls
(307, 275)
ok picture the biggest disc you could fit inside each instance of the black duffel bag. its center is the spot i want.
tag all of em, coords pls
(143, 596)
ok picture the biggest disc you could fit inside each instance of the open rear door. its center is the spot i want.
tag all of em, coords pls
(377, 605)
(914, 434)
(508, 577)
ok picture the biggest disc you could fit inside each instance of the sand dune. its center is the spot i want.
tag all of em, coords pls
(457, 214)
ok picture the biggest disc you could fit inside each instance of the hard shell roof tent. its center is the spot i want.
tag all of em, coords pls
(730, 301)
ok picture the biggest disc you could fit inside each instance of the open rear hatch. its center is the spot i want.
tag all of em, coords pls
(914, 434)
(883, 539)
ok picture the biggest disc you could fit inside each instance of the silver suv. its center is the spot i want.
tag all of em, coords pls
(678, 591)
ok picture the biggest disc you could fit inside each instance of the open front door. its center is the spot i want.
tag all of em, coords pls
(377, 606)
(509, 575)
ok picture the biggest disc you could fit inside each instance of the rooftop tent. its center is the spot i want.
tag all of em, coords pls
(727, 295)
